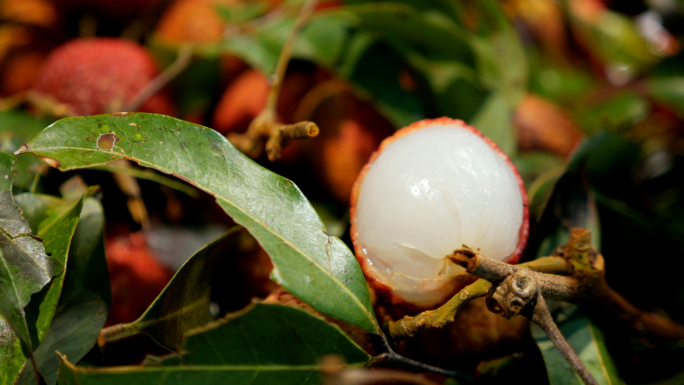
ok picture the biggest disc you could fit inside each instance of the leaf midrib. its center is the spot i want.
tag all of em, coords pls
(16, 293)
(203, 188)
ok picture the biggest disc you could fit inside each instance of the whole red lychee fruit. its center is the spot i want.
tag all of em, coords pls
(94, 76)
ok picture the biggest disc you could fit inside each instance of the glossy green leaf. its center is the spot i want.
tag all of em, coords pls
(17, 128)
(184, 302)
(266, 344)
(588, 342)
(25, 269)
(82, 308)
(319, 269)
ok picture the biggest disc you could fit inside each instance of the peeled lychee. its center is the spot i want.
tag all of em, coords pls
(430, 189)
(94, 76)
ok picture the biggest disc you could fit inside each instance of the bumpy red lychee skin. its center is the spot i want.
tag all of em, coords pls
(94, 76)
(454, 284)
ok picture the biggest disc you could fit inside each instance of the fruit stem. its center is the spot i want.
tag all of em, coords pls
(393, 358)
(182, 60)
(408, 326)
(275, 80)
(264, 125)
(542, 317)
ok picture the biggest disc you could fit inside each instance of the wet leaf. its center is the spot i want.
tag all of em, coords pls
(588, 342)
(82, 308)
(266, 344)
(319, 269)
(25, 269)
(184, 302)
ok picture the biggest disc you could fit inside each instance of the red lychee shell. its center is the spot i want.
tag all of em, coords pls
(453, 284)
(93, 75)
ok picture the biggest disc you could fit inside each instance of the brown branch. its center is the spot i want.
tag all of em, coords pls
(575, 273)
(182, 60)
(407, 327)
(584, 284)
(543, 318)
(264, 130)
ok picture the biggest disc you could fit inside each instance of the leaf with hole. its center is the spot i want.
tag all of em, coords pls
(317, 268)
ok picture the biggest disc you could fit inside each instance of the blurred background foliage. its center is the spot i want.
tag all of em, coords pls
(540, 77)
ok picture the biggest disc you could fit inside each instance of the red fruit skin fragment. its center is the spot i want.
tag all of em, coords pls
(135, 275)
(94, 75)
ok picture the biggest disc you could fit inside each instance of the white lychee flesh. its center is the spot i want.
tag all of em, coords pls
(427, 193)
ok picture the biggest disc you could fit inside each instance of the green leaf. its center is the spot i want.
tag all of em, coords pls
(17, 128)
(501, 60)
(56, 225)
(317, 268)
(184, 302)
(669, 90)
(82, 308)
(151, 176)
(571, 204)
(25, 269)
(588, 342)
(617, 41)
(494, 121)
(266, 344)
